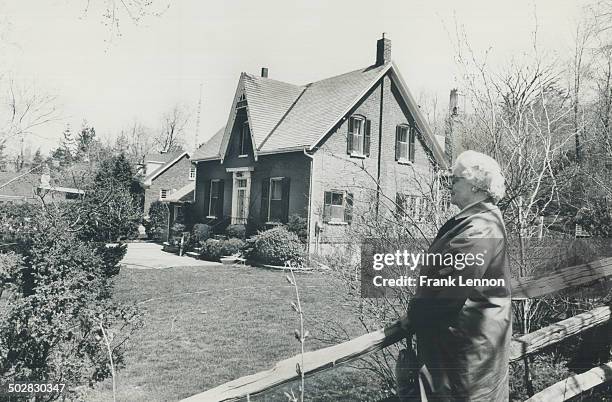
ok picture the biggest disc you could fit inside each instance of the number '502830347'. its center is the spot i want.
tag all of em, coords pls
(32, 388)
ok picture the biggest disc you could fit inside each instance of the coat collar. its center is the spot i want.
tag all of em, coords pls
(475, 208)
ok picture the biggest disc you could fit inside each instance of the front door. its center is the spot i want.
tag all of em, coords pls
(240, 197)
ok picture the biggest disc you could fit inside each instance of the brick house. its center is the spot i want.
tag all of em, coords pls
(166, 174)
(327, 151)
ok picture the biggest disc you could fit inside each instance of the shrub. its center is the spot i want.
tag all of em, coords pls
(158, 219)
(277, 246)
(299, 226)
(201, 232)
(237, 231)
(111, 256)
(177, 229)
(215, 249)
(61, 295)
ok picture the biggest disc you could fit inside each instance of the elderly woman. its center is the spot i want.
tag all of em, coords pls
(463, 330)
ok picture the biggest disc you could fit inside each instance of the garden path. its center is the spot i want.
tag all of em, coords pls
(151, 256)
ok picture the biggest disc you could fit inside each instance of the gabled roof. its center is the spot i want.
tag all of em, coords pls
(153, 175)
(320, 107)
(210, 149)
(285, 117)
(162, 157)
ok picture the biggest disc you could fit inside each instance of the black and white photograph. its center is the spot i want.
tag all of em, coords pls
(267, 200)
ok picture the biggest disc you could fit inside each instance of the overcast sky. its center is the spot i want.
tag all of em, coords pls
(53, 45)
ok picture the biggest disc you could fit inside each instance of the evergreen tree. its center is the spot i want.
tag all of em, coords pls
(86, 143)
(65, 153)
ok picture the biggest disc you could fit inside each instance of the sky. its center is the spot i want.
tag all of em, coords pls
(58, 47)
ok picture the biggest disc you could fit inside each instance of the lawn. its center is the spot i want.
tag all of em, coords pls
(208, 325)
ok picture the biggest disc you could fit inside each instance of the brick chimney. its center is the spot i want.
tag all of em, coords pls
(264, 72)
(383, 51)
(449, 135)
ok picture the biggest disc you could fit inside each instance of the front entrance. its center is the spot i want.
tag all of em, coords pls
(240, 195)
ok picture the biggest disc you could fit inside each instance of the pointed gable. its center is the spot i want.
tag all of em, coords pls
(268, 101)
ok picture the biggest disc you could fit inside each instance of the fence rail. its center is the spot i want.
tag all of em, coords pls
(326, 358)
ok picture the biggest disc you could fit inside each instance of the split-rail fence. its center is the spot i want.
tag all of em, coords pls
(527, 287)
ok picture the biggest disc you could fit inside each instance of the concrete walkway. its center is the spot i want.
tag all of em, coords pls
(151, 256)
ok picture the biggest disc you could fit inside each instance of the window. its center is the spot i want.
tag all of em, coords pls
(214, 198)
(358, 137)
(275, 199)
(412, 208)
(338, 207)
(164, 193)
(244, 139)
(192, 172)
(404, 143)
(242, 199)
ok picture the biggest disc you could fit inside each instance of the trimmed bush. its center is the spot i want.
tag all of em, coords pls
(213, 249)
(236, 231)
(201, 232)
(299, 226)
(277, 246)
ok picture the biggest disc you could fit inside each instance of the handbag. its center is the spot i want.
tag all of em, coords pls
(407, 375)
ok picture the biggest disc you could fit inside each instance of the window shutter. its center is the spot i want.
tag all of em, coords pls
(285, 202)
(366, 138)
(397, 144)
(265, 196)
(206, 204)
(399, 204)
(326, 209)
(411, 143)
(349, 136)
(348, 208)
(219, 211)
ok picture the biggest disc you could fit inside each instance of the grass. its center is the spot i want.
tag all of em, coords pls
(208, 325)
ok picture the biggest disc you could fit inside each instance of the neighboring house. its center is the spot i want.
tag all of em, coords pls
(64, 184)
(327, 151)
(165, 174)
(18, 187)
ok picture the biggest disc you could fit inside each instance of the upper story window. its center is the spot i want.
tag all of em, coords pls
(358, 137)
(337, 207)
(404, 143)
(243, 144)
(242, 103)
(192, 172)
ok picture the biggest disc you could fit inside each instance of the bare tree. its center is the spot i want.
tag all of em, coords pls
(135, 141)
(171, 132)
(23, 109)
(115, 11)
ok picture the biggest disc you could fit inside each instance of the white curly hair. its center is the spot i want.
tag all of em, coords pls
(482, 172)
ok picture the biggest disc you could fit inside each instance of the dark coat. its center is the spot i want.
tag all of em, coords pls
(463, 332)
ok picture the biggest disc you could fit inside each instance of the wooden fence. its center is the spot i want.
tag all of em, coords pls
(528, 287)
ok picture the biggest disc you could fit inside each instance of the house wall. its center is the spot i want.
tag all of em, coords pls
(295, 166)
(334, 169)
(174, 178)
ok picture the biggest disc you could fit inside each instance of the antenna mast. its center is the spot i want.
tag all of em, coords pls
(197, 131)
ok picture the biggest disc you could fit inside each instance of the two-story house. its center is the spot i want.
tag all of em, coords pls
(327, 151)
